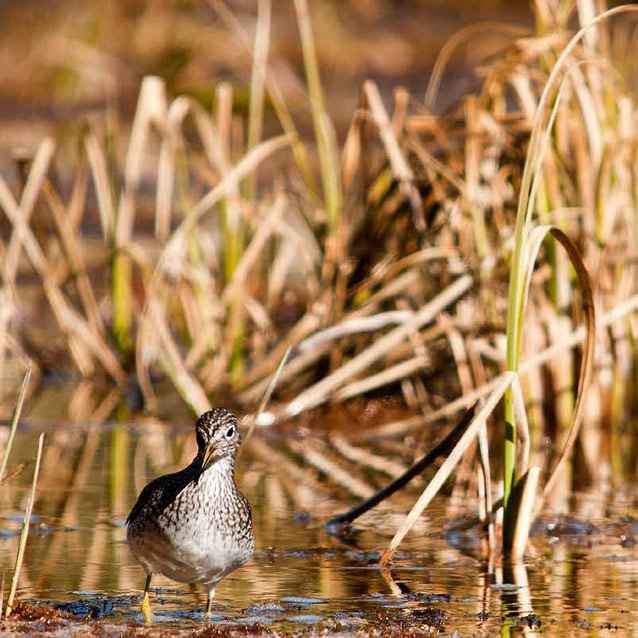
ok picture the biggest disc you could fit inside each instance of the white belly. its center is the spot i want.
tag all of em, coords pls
(190, 557)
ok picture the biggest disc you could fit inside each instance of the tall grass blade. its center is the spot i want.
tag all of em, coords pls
(276, 96)
(587, 360)
(261, 416)
(324, 133)
(452, 45)
(28, 200)
(17, 410)
(517, 273)
(257, 86)
(25, 531)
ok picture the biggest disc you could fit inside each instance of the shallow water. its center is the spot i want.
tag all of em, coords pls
(580, 579)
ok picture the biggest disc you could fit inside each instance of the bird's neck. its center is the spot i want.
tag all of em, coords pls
(225, 466)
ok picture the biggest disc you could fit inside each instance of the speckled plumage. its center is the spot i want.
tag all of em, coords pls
(195, 526)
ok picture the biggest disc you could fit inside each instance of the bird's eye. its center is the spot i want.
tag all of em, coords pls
(230, 431)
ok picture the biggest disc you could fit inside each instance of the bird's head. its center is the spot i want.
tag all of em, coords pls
(218, 436)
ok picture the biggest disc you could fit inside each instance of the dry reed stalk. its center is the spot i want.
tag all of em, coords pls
(464, 471)
(84, 340)
(437, 172)
(256, 379)
(352, 161)
(82, 404)
(321, 391)
(15, 419)
(448, 465)
(73, 254)
(218, 150)
(255, 419)
(218, 153)
(240, 171)
(484, 474)
(223, 116)
(253, 251)
(402, 99)
(38, 171)
(295, 233)
(166, 170)
(151, 109)
(393, 288)
(324, 132)
(399, 165)
(175, 247)
(576, 337)
(486, 482)
(25, 531)
(484, 493)
(459, 352)
(473, 153)
(185, 383)
(355, 326)
(101, 181)
(172, 153)
(391, 374)
(298, 365)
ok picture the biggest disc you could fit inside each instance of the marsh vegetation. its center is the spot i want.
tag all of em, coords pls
(407, 261)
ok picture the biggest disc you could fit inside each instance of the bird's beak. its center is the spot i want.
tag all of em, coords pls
(209, 457)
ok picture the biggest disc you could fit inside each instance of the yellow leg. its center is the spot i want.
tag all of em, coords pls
(209, 602)
(146, 604)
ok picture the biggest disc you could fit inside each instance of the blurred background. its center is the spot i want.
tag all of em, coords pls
(63, 60)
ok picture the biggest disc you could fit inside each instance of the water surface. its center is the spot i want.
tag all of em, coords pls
(580, 577)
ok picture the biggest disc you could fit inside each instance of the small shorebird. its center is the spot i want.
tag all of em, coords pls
(195, 526)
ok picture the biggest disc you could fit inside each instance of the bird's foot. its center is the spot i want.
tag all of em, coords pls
(146, 608)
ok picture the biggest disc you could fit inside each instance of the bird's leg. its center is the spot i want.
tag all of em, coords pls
(209, 602)
(146, 605)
